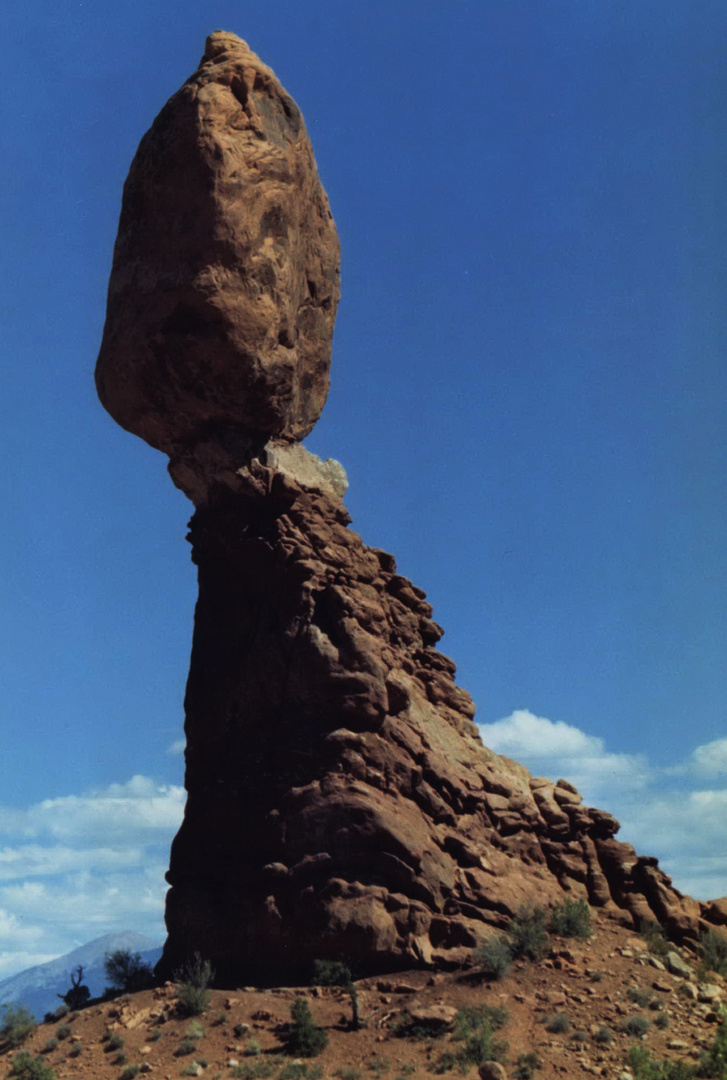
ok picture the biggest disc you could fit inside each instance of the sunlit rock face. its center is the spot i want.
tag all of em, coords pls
(340, 802)
(225, 276)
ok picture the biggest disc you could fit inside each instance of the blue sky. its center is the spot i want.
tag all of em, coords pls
(528, 394)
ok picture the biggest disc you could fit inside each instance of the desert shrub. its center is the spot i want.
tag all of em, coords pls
(50, 1045)
(528, 934)
(126, 972)
(303, 1038)
(155, 1035)
(120, 1058)
(75, 1051)
(596, 976)
(347, 1074)
(640, 996)
(130, 1072)
(475, 1027)
(714, 952)
(191, 1069)
(579, 1036)
(219, 1019)
(604, 1036)
(17, 1024)
(299, 1070)
(27, 1067)
(241, 1030)
(113, 1042)
(408, 1028)
(194, 978)
(713, 1063)
(662, 1021)
(655, 938)
(78, 994)
(526, 1066)
(336, 973)
(644, 1067)
(378, 1066)
(63, 1031)
(253, 1048)
(636, 1026)
(195, 1030)
(557, 1024)
(571, 919)
(259, 1070)
(493, 957)
(186, 1046)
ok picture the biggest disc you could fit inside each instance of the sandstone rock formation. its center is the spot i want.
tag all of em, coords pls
(340, 802)
(225, 277)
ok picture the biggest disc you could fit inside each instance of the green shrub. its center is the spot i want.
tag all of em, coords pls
(298, 1070)
(528, 934)
(113, 1042)
(662, 1021)
(557, 1024)
(130, 1072)
(50, 1045)
(336, 973)
(644, 1067)
(17, 1024)
(579, 1036)
(303, 1038)
(258, 1070)
(26, 1067)
(493, 957)
(120, 1058)
(75, 1051)
(194, 978)
(195, 1030)
(640, 996)
(636, 1026)
(126, 972)
(253, 1048)
(475, 1026)
(155, 1035)
(571, 919)
(526, 1066)
(655, 938)
(186, 1046)
(408, 1028)
(713, 1063)
(604, 1036)
(63, 1031)
(347, 1074)
(219, 1019)
(241, 1031)
(714, 951)
(378, 1065)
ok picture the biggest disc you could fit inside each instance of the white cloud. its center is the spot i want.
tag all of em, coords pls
(77, 866)
(710, 759)
(177, 747)
(555, 749)
(660, 815)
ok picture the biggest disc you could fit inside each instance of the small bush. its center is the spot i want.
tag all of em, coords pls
(126, 972)
(526, 1066)
(155, 1035)
(655, 938)
(557, 1024)
(528, 934)
(260, 1070)
(571, 919)
(493, 957)
(304, 1039)
(253, 1048)
(130, 1072)
(662, 1021)
(195, 1030)
(17, 1024)
(713, 1063)
(241, 1031)
(113, 1042)
(75, 1051)
(194, 978)
(637, 1026)
(26, 1067)
(219, 1019)
(378, 1066)
(298, 1070)
(50, 1045)
(604, 1036)
(579, 1036)
(408, 1028)
(644, 1067)
(347, 1074)
(714, 952)
(475, 1027)
(640, 996)
(120, 1058)
(63, 1031)
(186, 1046)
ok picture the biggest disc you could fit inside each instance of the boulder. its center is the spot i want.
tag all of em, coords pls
(225, 275)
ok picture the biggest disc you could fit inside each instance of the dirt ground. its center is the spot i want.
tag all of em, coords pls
(241, 1034)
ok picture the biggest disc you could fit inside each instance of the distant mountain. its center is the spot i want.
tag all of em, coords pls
(38, 987)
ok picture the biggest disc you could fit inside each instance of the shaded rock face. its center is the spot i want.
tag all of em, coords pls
(225, 276)
(340, 802)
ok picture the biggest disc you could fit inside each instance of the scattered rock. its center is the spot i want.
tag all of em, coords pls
(435, 1017)
(677, 966)
(492, 1070)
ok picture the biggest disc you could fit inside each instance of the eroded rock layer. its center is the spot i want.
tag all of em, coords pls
(225, 277)
(341, 803)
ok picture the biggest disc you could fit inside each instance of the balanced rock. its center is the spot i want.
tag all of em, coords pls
(340, 802)
(225, 276)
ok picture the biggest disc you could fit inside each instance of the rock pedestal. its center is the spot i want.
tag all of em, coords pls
(340, 802)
